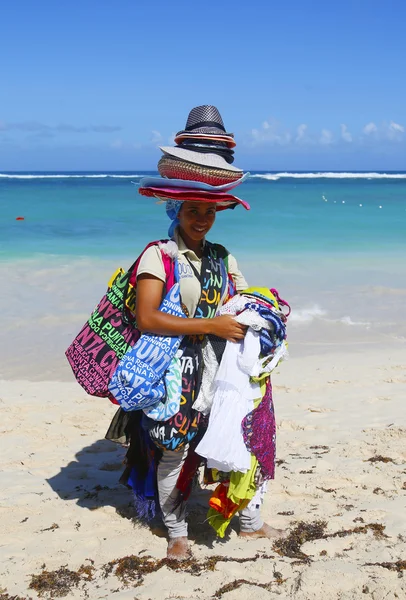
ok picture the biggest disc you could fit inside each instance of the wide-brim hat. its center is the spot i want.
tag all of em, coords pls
(220, 199)
(180, 137)
(175, 168)
(205, 159)
(189, 184)
(205, 119)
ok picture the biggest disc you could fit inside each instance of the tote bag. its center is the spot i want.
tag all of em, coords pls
(110, 331)
(139, 380)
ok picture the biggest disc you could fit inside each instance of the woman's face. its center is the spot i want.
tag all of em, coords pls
(196, 219)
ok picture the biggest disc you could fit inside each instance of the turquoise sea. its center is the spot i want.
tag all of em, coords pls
(101, 214)
(333, 244)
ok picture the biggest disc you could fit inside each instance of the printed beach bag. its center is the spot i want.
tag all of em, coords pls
(139, 380)
(111, 329)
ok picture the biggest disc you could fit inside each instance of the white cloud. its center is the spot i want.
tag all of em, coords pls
(116, 144)
(345, 134)
(394, 132)
(370, 128)
(301, 133)
(271, 132)
(156, 137)
(396, 127)
(326, 137)
(35, 127)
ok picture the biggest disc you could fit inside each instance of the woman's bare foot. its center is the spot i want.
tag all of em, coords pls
(178, 549)
(266, 531)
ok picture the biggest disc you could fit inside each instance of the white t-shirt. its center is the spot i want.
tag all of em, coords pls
(151, 263)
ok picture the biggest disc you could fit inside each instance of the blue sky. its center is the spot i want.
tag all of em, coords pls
(303, 85)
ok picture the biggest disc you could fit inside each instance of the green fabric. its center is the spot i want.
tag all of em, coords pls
(242, 486)
(218, 522)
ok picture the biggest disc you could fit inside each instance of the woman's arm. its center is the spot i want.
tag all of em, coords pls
(151, 319)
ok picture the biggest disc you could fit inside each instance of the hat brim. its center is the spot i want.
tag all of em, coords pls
(201, 136)
(208, 159)
(220, 199)
(205, 130)
(162, 182)
(170, 167)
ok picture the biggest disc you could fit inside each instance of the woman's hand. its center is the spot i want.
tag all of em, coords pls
(227, 327)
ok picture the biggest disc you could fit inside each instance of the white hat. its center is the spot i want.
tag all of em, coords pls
(207, 159)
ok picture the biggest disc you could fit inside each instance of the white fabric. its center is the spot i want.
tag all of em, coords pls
(253, 319)
(204, 400)
(223, 444)
(258, 499)
(260, 367)
(235, 305)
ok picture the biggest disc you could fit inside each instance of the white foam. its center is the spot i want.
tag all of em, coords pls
(305, 315)
(349, 321)
(64, 176)
(309, 314)
(330, 175)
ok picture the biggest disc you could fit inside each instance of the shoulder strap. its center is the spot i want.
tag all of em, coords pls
(130, 288)
(221, 251)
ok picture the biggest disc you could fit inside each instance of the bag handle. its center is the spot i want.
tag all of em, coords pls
(280, 300)
(124, 310)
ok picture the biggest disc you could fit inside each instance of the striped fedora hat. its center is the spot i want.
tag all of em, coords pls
(205, 119)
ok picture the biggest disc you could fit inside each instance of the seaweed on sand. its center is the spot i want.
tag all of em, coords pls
(132, 569)
(379, 458)
(59, 583)
(5, 596)
(376, 528)
(307, 532)
(237, 583)
(399, 565)
(302, 533)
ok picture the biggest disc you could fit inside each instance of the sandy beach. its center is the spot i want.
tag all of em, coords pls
(340, 487)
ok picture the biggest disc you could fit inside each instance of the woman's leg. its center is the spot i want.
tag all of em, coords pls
(253, 526)
(250, 520)
(174, 517)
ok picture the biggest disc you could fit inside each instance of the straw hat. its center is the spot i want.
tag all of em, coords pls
(209, 159)
(175, 168)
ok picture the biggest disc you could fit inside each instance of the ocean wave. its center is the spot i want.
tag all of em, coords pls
(331, 175)
(309, 314)
(305, 315)
(65, 176)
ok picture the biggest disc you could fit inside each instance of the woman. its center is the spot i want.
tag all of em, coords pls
(197, 176)
(195, 221)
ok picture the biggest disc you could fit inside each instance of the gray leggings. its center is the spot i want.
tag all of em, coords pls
(168, 471)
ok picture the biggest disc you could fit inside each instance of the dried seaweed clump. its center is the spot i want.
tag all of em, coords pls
(5, 596)
(376, 528)
(229, 587)
(131, 569)
(195, 567)
(399, 565)
(303, 532)
(379, 458)
(237, 583)
(60, 582)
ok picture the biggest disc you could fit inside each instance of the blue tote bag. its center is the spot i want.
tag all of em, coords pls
(139, 379)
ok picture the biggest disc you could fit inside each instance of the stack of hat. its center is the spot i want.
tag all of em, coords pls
(199, 168)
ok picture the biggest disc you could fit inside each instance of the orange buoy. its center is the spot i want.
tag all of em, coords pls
(20, 218)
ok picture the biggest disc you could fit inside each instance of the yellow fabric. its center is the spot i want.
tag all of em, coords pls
(266, 292)
(242, 485)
